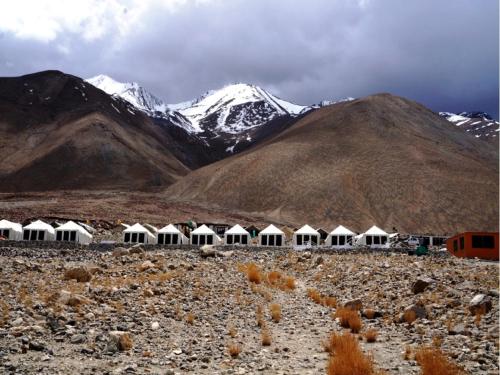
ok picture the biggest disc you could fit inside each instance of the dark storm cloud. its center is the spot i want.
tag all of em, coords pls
(441, 53)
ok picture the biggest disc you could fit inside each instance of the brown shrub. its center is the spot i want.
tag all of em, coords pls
(254, 273)
(190, 318)
(346, 357)
(349, 319)
(80, 274)
(407, 355)
(314, 295)
(234, 350)
(371, 335)
(289, 283)
(329, 302)
(434, 362)
(275, 312)
(233, 332)
(274, 277)
(265, 337)
(125, 342)
(369, 313)
(409, 316)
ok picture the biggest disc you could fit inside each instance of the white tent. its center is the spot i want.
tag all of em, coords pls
(340, 237)
(271, 236)
(306, 235)
(170, 235)
(138, 234)
(38, 231)
(73, 232)
(374, 238)
(204, 236)
(237, 235)
(11, 231)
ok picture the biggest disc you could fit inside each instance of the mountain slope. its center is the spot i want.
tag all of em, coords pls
(381, 159)
(58, 132)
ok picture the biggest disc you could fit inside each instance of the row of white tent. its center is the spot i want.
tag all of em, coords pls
(40, 231)
(340, 237)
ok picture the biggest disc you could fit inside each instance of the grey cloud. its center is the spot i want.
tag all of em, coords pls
(443, 54)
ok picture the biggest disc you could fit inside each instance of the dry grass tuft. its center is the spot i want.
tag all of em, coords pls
(407, 354)
(259, 316)
(409, 316)
(233, 332)
(125, 342)
(329, 302)
(234, 350)
(346, 357)
(289, 283)
(434, 362)
(371, 335)
(190, 318)
(254, 273)
(314, 295)
(265, 337)
(275, 312)
(274, 277)
(349, 319)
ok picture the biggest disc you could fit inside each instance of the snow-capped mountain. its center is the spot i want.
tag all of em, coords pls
(235, 108)
(478, 124)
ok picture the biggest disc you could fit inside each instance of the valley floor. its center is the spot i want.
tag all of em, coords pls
(184, 310)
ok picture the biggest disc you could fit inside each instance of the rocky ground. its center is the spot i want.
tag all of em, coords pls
(172, 311)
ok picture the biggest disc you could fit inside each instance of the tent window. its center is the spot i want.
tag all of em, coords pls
(168, 239)
(383, 240)
(376, 240)
(65, 235)
(41, 235)
(314, 240)
(127, 237)
(160, 239)
(33, 235)
(483, 242)
(264, 240)
(194, 239)
(175, 239)
(141, 237)
(72, 236)
(210, 239)
(59, 235)
(279, 240)
(306, 238)
(237, 238)
(26, 235)
(462, 243)
(334, 240)
(134, 237)
(299, 239)
(229, 239)
(244, 239)
(5, 233)
(271, 240)
(348, 240)
(341, 240)
(368, 240)
(202, 240)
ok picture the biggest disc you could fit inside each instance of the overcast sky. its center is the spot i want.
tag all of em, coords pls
(443, 54)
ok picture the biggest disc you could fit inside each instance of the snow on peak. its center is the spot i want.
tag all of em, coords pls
(235, 108)
(131, 92)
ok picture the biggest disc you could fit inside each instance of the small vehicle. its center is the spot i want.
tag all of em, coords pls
(413, 241)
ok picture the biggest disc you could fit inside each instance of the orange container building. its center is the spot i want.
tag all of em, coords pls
(483, 245)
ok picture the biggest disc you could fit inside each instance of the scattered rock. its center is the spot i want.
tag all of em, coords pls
(208, 251)
(355, 304)
(421, 284)
(119, 252)
(146, 265)
(37, 346)
(155, 326)
(78, 339)
(418, 309)
(121, 340)
(480, 304)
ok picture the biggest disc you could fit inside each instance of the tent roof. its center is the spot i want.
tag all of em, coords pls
(271, 229)
(40, 225)
(169, 229)
(203, 230)
(6, 224)
(307, 229)
(137, 228)
(341, 230)
(375, 231)
(237, 229)
(71, 225)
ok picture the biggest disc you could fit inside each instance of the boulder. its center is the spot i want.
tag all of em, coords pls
(355, 304)
(136, 250)
(459, 329)
(80, 274)
(146, 265)
(119, 252)
(421, 284)
(480, 304)
(418, 309)
(208, 251)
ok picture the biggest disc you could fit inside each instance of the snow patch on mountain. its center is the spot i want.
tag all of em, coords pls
(479, 124)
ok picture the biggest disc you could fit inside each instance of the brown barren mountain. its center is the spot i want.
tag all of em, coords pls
(381, 160)
(59, 132)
